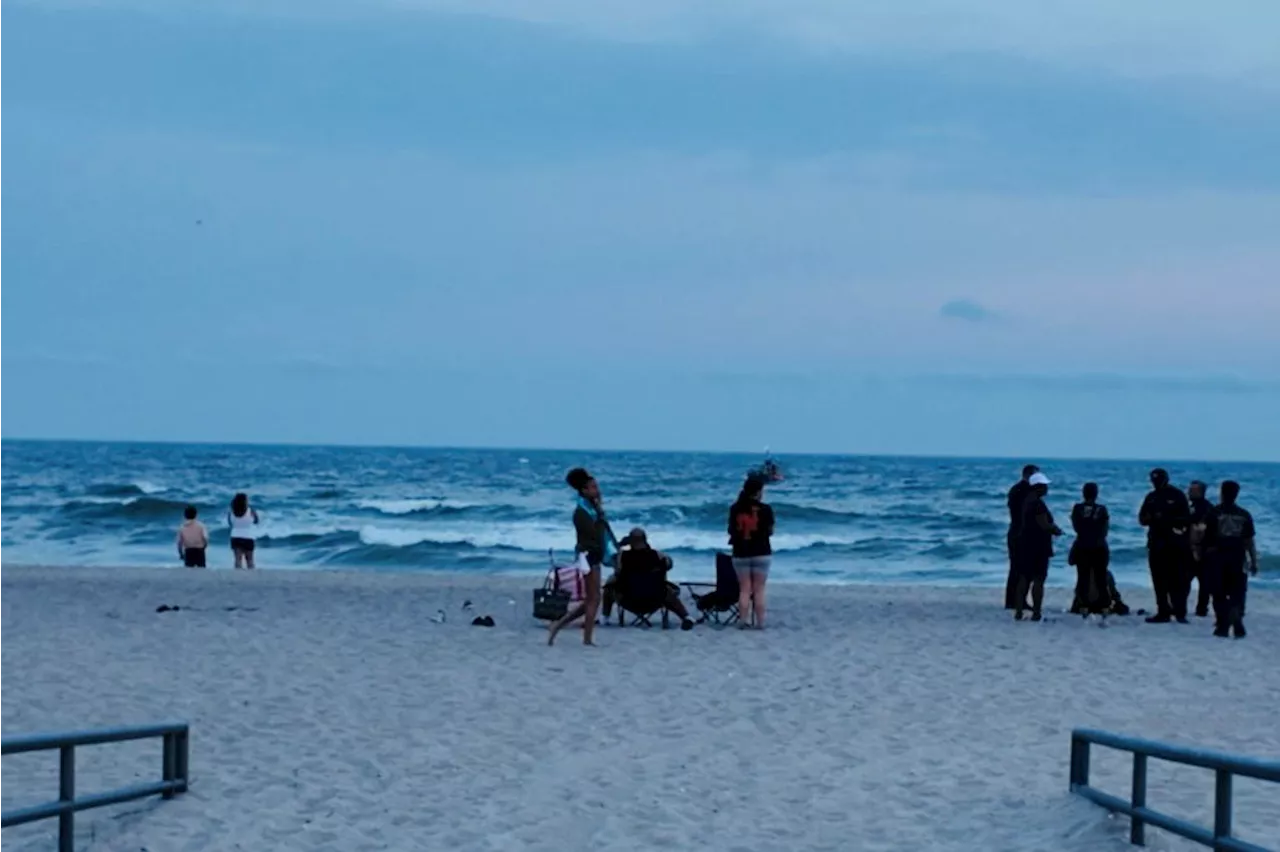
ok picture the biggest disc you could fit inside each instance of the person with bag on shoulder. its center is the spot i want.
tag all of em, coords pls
(596, 545)
(1090, 553)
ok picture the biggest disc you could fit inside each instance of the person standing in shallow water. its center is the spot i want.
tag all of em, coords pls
(1035, 546)
(1229, 544)
(750, 530)
(1090, 553)
(242, 519)
(1017, 497)
(596, 544)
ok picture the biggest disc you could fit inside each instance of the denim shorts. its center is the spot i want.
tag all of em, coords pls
(752, 564)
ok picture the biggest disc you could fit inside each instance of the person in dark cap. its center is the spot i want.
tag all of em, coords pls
(1228, 545)
(1017, 496)
(1200, 508)
(1167, 516)
(638, 556)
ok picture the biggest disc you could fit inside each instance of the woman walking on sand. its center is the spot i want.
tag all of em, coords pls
(242, 519)
(596, 544)
(750, 528)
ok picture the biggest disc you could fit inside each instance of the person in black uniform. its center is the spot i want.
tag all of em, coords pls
(1017, 497)
(1228, 544)
(1200, 508)
(1166, 515)
(1091, 554)
(1036, 531)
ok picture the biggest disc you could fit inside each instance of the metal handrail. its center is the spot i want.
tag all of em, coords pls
(175, 766)
(1225, 766)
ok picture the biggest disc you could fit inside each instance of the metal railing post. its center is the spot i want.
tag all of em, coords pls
(1222, 805)
(183, 767)
(170, 763)
(1138, 828)
(67, 795)
(1079, 762)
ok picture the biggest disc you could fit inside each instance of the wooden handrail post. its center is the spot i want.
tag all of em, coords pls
(1222, 805)
(1138, 828)
(67, 795)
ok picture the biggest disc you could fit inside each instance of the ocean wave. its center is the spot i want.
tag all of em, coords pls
(418, 506)
(324, 494)
(715, 513)
(133, 509)
(136, 488)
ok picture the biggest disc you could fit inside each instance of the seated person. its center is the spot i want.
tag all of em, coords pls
(638, 556)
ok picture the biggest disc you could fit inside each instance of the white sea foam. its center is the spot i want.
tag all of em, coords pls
(410, 505)
(536, 537)
(522, 536)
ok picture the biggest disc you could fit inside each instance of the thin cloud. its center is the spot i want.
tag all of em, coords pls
(966, 310)
(1229, 40)
(1095, 383)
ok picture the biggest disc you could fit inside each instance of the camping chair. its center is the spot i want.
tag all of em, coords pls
(641, 593)
(720, 605)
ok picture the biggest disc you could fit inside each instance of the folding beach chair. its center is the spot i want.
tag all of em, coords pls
(720, 604)
(640, 593)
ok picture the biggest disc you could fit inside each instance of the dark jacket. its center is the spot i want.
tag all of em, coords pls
(1166, 515)
(592, 534)
(1035, 535)
(750, 528)
(1228, 531)
(1092, 522)
(1017, 496)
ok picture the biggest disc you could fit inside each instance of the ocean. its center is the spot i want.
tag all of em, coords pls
(840, 519)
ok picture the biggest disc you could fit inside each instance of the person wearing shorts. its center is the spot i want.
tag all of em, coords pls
(595, 547)
(750, 531)
(242, 519)
(1035, 547)
(193, 540)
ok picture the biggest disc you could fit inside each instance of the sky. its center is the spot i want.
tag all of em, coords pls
(992, 227)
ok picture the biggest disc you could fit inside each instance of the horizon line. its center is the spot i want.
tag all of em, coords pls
(629, 451)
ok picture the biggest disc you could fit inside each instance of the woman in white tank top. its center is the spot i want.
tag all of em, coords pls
(242, 519)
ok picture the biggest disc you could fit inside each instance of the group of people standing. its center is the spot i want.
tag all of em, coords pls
(1187, 537)
(750, 529)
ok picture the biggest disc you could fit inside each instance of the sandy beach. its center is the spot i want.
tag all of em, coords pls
(330, 711)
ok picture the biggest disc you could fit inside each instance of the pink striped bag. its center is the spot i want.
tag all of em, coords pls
(568, 578)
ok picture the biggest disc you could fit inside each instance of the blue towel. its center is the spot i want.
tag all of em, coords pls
(610, 546)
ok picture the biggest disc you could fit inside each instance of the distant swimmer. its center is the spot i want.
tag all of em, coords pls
(769, 471)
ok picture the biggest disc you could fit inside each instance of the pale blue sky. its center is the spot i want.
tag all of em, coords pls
(921, 227)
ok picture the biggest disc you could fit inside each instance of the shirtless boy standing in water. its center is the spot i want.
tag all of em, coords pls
(193, 540)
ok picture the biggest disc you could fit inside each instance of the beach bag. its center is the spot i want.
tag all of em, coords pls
(562, 588)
